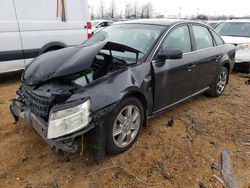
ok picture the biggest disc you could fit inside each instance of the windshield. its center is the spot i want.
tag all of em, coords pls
(140, 37)
(236, 29)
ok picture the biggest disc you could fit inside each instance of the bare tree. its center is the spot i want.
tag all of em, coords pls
(201, 17)
(91, 12)
(142, 12)
(147, 10)
(101, 8)
(135, 10)
(112, 8)
(160, 16)
(120, 14)
(128, 10)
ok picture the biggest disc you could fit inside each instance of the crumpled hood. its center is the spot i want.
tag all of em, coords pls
(60, 63)
(67, 61)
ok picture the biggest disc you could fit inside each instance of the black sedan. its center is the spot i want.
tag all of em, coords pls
(109, 86)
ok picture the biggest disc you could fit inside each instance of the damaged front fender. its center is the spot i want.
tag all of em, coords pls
(112, 89)
(65, 143)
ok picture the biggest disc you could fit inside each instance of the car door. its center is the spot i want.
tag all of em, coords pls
(174, 79)
(11, 52)
(207, 57)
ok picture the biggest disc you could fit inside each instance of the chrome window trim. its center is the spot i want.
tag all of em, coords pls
(169, 30)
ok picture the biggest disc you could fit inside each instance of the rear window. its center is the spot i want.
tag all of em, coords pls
(217, 38)
(202, 37)
(235, 29)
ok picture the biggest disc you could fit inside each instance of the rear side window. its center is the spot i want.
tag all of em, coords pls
(202, 37)
(217, 38)
(178, 39)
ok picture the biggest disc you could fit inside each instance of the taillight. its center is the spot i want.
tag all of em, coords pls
(89, 29)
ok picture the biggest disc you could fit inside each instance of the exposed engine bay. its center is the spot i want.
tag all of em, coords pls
(57, 95)
(41, 97)
(102, 65)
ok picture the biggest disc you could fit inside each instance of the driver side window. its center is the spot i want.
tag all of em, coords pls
(179, 39)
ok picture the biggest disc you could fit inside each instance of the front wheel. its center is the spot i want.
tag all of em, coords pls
(220, 83)
(124, 125)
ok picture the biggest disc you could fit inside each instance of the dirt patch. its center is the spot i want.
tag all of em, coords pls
(177, 149)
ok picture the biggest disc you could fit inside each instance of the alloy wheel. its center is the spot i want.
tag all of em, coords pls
(126, 126)
(222, 81)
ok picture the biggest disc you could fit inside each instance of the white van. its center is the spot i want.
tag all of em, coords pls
(32, 27)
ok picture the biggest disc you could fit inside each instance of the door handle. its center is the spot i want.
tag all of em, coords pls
(216, 58)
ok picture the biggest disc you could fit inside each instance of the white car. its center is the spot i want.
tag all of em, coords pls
(237, 32)
(32, 27)
(98, 25)
(214, 23)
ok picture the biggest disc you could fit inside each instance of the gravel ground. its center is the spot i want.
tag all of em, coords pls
(180, 155)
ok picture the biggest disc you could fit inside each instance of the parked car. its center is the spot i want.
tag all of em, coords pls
(214, 23)
(100, 24)
(32, 27)
(119, 78)
(237, 32)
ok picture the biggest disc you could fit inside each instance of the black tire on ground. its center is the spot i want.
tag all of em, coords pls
(113, 123)
(214, 90)
(248, 68)
(242, 67)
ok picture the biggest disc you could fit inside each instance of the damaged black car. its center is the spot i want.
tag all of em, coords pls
(110, 85)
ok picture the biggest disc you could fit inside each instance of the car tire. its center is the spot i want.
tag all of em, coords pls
(220, 83)
(248, 68)
(124, 125)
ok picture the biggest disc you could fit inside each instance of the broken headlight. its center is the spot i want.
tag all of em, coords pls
(69, 120)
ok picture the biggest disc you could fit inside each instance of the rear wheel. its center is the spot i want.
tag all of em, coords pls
(220, 83)
(124, 125)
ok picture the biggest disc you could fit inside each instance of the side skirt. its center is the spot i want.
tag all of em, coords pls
(178, 102)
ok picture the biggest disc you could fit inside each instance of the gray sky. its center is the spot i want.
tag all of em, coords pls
(187, 7)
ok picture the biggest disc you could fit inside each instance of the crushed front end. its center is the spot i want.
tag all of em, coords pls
(46, 109)
(61, 94)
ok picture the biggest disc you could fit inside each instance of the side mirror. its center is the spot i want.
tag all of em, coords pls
(170, 54)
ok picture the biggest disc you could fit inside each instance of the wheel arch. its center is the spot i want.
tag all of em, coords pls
(51, 45)
(141, 97)
(226, 64)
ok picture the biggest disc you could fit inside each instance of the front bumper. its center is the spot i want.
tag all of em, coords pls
(242, 56)
(64, 143)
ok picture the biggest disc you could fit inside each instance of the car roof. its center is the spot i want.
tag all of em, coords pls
(163, 22)
(215, 21)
